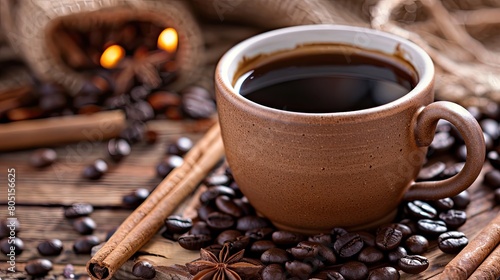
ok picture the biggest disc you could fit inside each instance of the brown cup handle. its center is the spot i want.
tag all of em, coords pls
(474, 141)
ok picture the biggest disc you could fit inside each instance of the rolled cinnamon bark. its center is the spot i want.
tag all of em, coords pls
(146, 220)
(464, 264)
(490, 268)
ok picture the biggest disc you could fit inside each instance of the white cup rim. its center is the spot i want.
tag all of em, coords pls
(422, 62)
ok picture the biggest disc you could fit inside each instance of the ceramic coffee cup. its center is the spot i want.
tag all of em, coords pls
(310, 172)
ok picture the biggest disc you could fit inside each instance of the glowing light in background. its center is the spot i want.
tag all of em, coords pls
(168, 40)
(111, 56)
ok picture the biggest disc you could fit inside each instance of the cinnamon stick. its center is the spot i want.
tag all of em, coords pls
(146, 220)
(490, 268)
(464, 264)
(57, 130)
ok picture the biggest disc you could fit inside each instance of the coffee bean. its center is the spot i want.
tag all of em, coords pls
(417, 244)
(443, 204)
(219, 221)
(299, 269)
(213, 192)
(354, 270)
(396, 254)
(38, 267)
(442, 142)
(118, 149)
(491, 128)
(139, 93)
(368, 238)
(260, 233)
(388, 238)
(227, 235)
(139, 111)
(348, 245)
(286, 238)
(452, 170)
(133, 133)
(321, 238)
(413, 264)
(78, 210)
(168, 164)
(452, 242)
(325, 253)
(304, 250)
(475, 112)
(43, 158)
(431, 228)
(431, 172)
(497, 196)
(494, 159)
(134, 199)
(405, 230)
(144, 270)
(69, 271)
(197, 103)
(183, 144)
(178, 224)
(217, 179)
(95, 170)
(160, 100)
(453, 218)
(273, 272)
(244, 205)
(51, 247)
(214, 248)
(492, 179)
(384, 273)
(329, 274)
(275, 255)
(84, 244)
(110, 233)
(204, 211)
(226, 205)
(84, 225)
(10, 245)
(260, 246)
(370, 255)
(9, 227)
(239, 243)
(420, 210)
(461, 200)
(411, 224)
(337, 232)
(461, 153)
(247, 223)
(194, 242)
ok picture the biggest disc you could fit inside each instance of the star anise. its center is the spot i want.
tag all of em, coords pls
(223, 267)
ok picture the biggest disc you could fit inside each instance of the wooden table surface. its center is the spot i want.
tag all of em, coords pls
(41, 195)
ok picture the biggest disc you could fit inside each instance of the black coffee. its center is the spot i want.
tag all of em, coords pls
(327, 82)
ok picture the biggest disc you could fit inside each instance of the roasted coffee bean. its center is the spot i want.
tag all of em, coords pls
(118, 149)
(396, 254)
(328, 274)
(321, 238)
(286, 238)
(273, 272)
(84, 225)
(197, 103)
(275, 255)
(160, 100)
(260, 233)
(384, 273)
(443, 204)
(183, 144)
(417, 244)
(432, 171)
(194, 242)
(133, 133)
(260, 246)
(144, 270)
(420, 210)
(491, 128)
(217, 179)
(226, 205)
(348, 245)
(413, 264)
(411, 224)
(244, 205)
(204, 211)
(78, 210)
(354, 270)
(139, 111)
(299, 269)
(431, 228)
(497, 196)
(492, 179)
(110, 233)
(10, 245)
(494, 159)
(43, 158)
(239, 243)
(337, 232)
(452, 242)
(139, 93)
(453, 218)
(84, 244)
(178, 224)
(214, 248)
(168, 164)
(461, 153)
(442, 142)
(220, 221)
(304, 250)
(227, 235)
(370, 255)
(95, 170)
(488, 143)
(213, 192)
(475, 112)
(461, 200)
(134, 199)
(200, 228)
(38, 267)
(405, 230)
(368, 238)
(247, 223)
(9, 227)
(69, 271)
(452, 170)
(388, 238)
(51, 247)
